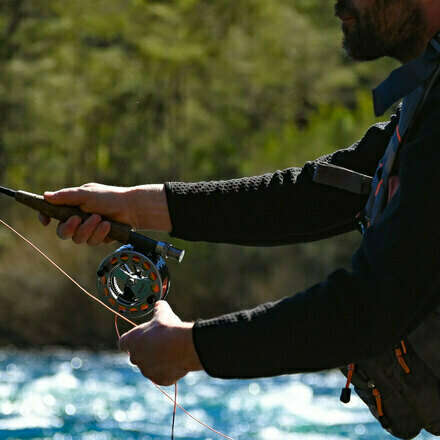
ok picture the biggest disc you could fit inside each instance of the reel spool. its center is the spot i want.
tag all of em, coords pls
(131, 282)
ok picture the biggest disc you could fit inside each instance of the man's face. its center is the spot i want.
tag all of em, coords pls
(376, 28)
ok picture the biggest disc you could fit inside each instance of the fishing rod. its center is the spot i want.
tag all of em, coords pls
(119, 231)
(131, 279)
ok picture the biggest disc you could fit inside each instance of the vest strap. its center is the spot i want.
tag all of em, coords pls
(342, 178)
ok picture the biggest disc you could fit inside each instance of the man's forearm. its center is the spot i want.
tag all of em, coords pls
(287, 205)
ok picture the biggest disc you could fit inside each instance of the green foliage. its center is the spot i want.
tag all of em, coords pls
(136, 91)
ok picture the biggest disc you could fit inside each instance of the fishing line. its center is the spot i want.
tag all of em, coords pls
(66, 274)
(175, 386)
(174, 411)
(174, 401)
(190, 415)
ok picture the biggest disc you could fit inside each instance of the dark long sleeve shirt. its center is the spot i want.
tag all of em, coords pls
(351, 315)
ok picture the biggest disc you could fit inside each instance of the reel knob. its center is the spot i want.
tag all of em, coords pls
(131, 282)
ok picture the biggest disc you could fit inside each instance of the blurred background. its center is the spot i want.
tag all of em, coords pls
(128, 92)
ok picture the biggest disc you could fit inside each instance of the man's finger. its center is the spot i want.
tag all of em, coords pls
(66, 196)
(67, 229)
(124, 343)
(133, 360)
(44, 219)
(86, 229)
(161, 307)
(100, 234)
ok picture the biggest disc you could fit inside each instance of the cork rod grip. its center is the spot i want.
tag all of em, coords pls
(119, 231)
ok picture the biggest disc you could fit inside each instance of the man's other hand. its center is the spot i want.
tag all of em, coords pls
(162, 348)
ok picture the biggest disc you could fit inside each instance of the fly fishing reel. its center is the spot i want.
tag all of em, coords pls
(131, 282)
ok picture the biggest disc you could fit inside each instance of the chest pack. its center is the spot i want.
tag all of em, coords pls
(401, 386)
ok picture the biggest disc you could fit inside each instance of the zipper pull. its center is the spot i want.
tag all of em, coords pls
(377, 397)
(346, 392)
(399, 352)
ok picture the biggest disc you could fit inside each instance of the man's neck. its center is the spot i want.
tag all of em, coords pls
(432, 16)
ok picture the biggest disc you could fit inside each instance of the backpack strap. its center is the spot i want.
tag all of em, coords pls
(342, 178)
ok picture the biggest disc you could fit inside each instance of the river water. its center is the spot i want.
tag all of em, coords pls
(64, 395)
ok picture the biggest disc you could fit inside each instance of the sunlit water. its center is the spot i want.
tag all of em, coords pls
(78, 395)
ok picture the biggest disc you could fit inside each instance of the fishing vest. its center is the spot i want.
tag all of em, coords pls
(402, 385)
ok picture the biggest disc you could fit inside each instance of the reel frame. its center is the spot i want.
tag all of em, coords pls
(131, 282)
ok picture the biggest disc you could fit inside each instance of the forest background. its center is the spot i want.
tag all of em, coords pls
(127, 92)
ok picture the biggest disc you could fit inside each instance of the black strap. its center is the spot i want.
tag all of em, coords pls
(342, 178)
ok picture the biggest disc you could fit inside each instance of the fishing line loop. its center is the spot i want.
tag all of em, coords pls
(117, 315)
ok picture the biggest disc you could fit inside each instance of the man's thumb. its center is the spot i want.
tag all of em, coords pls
(123, 342)
(161, 307)
(67, 196)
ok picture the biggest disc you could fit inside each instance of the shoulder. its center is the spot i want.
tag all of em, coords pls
(428, 118)
(423, 142)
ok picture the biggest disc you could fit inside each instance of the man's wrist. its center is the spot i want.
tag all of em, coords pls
(191, 361)
(149, 207)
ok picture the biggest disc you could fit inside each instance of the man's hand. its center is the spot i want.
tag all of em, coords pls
(143, 207)
(162, 348)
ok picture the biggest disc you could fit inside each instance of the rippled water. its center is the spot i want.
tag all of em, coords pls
(78, 395)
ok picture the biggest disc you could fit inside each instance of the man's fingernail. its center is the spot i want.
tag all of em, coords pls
(49, 193)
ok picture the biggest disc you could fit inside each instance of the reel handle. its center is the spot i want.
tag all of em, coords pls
(119, 231)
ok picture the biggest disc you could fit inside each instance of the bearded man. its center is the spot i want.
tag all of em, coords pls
(362, 317)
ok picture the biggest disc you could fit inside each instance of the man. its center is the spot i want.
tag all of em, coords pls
(350, 316)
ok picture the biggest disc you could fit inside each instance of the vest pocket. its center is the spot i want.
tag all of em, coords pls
(409, 390)
(377, 381)
(421, 389)
(424, 340)
(424, 353)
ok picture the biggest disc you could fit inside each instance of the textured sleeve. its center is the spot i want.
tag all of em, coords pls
(352, 315)
(277, 208)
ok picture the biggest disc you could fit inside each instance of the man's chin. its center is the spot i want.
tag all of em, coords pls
(358, 53)
(362, 57)
(348, 25)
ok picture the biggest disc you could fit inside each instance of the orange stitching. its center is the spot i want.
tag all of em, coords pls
(378, 187)
(398, 134)
(378, 398)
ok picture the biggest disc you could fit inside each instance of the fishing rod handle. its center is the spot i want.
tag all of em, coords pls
(119, 231)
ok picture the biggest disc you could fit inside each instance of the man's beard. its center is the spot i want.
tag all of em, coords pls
(394, 28)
